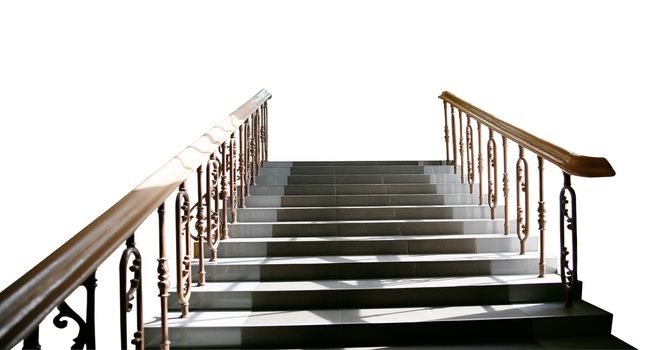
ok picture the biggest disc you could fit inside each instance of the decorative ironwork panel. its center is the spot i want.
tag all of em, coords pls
(470, 158)
(224, 231)
(522, 212)
(506, 185)
(200, 227)
(183, 247)
(127, 295)
(492, 188)
(541, 219)
(212, 206)
(568, 221)
(163, 279)
(86, 335)
(232, 168)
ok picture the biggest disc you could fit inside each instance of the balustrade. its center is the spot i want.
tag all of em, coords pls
(223, 180)
(569, 163)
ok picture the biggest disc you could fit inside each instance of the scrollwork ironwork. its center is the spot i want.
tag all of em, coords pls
(86, 335)
(183, 262)
(224, 231)
(522, 183)
(212, 205)
(541, 219)
(506, 186)
(128, 295)
(233, 178)
(492, 188)
(470, 157)
(200, 226)
(568, 221)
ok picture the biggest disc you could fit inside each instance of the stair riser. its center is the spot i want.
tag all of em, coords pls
(343, 164)
(368, 228)
(393, 269)
(383, 334)
(331, 214)
(370, 298)
(357, 200)
(350, 189)
(356, 179)
(233, 249)
(356, 170)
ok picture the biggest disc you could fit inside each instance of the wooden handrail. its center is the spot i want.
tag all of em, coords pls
(570, 163)
(25, 303)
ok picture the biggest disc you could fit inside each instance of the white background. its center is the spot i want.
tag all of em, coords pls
(96, 96)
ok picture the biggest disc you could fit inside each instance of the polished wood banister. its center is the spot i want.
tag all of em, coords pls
(29, 299)
(570, 163)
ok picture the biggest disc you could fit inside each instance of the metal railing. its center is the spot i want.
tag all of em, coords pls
(456, 110)
(25, 303)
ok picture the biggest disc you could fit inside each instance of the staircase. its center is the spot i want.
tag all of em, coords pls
(376, 254)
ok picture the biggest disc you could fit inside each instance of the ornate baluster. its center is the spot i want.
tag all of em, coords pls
(183, 266)
(266, 130)
(224, 230)
(522, 186)
(242, 165)
(256, 145)
(541, 219)
(86, 335)
(470, 157)
(461, 143)
(127, 295)
(479, 163)
(568, 220)
(506, 185)
(212, 212)
(232, 168)
(446, 130)
(251, 146)
(199, 226)
(454, 138)
(248, 164)
(163, 278)
(492, 188)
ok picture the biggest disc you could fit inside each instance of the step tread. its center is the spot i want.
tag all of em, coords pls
(348, 259)
(365, 207)
(394, 221)
(236, 319)
(384, 283)
(365, 238)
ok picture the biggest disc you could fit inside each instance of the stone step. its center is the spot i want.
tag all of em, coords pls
(365, 213)
(363, 200)
(357, 179)
(373, 293)
(357, 170)
(369, 228)
(380, 326)
(375, 245)
(346, 189)
(371, 266)
(281, 164)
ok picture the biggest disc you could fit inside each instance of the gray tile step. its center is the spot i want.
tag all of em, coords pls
(326, 246)
(369, 228)
(362, 200)
(375, 326)
(330, 189)
(365, 213)
(357, 179)
(357, 170)
(371, 266)
(283, 164)
(372, 293)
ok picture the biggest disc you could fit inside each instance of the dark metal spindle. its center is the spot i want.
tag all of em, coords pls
(492, 187)
(461, 143)
(183, 262)
(541, 219)
(127, 295)
(31, 342)
(479, 163)
(454, 138)
(199, 226)
(568, 220)
(522, 184)
(470, 157)
(506, 185)
(163, 279)
(213, 209)
(232, 167)
(224, 230)
(447, 133)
